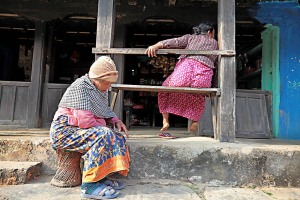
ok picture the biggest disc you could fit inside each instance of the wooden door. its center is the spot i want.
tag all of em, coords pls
(252, 115)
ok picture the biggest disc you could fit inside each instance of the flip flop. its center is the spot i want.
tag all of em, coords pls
(117, 185)
(166, 135)
(98, 191)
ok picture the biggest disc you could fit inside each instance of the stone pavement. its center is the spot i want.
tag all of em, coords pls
(187, 167)
(262, 162)
(149, 189)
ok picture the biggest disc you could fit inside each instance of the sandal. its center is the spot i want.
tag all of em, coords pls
(117, 185)
(98, 191)
(166, 135)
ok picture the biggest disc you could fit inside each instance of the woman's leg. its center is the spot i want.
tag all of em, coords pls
(100, 147)
(105, 152)
(165, 121)
(193, 126)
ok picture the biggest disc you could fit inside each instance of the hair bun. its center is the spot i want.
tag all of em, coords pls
(202, 28)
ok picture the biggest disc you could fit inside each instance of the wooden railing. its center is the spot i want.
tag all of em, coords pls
(211, 92)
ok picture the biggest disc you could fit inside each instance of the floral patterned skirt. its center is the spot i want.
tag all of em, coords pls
(104, 151)
(187, 73)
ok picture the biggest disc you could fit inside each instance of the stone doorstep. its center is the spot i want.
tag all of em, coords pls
(205, 160)
(14, 173)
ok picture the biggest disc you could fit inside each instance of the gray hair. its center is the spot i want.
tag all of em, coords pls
(203, 28)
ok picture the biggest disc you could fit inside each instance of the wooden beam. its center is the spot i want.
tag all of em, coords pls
(227, 76)
(161, 51)
(120, 60)
(50, 57)
(36, 86)
(135, 13)
(151, 88)
(105, 24)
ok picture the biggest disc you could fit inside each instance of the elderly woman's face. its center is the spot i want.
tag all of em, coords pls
(102, 85)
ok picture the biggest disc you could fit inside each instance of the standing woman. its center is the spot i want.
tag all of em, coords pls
(80, 124)
(190, 71)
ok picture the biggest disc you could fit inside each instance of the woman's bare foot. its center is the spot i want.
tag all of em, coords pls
(165, 126)
(194, 126)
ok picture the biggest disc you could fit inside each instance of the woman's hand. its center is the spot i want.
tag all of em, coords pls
(121, 127)
(151, 50)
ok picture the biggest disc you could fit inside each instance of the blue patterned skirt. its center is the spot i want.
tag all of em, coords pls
(104, 151)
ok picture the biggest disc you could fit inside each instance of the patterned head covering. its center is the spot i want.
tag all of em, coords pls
(83, 95)
(104, 68)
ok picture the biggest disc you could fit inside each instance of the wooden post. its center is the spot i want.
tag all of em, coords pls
(49, 57)
(105, 24)
(119, 60)
(226, 104)
(36, 86)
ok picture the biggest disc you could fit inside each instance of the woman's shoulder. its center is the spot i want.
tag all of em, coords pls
(83, 82)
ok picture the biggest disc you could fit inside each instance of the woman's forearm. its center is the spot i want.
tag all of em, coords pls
(159, 45)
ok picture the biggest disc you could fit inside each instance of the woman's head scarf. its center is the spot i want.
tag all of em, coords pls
(82, 93)
(105, 69)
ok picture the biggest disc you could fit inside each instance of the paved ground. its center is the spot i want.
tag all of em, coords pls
(149, 190)
(159, 189)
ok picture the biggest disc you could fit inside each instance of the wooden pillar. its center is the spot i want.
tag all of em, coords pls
(119, 60)
(50, 57)
(226, 38)
(36, 87)
(105, 24)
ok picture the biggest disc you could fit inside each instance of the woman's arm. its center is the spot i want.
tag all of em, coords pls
(176, 43)
(151, 50)
(85, 119)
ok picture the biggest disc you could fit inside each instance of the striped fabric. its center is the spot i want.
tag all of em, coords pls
(194, 42)
(83, 95)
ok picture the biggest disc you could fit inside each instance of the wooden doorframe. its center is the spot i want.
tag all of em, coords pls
(227, 76)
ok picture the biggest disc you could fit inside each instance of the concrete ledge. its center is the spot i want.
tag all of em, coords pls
(258, 162)
(14, 173)
(221, 165)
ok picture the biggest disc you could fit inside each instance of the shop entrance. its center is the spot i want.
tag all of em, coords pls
(257, 83)
(142, 107)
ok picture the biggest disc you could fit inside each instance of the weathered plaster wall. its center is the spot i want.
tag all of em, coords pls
(286, 15)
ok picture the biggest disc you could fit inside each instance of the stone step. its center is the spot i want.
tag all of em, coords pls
(14, 173)
(267, 162)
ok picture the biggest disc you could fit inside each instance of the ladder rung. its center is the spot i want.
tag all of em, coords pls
(151, 88)
(161, 51)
